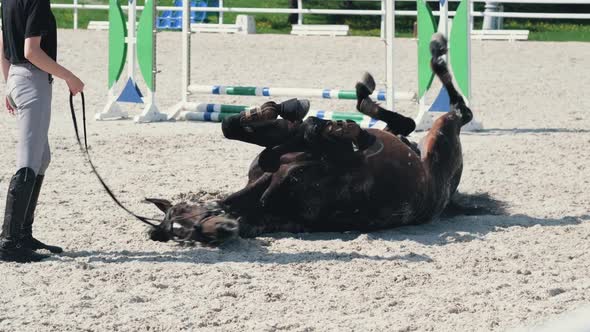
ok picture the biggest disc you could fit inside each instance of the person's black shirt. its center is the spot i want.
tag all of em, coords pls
(22, 19)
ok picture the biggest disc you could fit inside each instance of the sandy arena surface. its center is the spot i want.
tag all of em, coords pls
(461, 274)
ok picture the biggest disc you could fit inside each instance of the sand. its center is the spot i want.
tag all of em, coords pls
(461, 274)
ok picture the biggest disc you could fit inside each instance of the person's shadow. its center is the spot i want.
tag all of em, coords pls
(468, 218)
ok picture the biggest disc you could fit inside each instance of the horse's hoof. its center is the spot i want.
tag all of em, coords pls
(438, 45)
(294, 109)
(364, 88)
(369, 82)
(232, 128)
(406, 126)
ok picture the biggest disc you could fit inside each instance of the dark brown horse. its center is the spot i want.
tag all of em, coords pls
(319, 175)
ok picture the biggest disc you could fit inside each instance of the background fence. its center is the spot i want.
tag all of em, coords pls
(305, 8)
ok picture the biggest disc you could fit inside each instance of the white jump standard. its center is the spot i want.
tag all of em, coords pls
(123, 44)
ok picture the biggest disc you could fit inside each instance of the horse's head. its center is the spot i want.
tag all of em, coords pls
(183, 222)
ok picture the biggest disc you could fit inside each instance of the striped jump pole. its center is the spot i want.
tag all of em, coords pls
(215, 108)
(217, 112)
(363, 120)
(380, 95)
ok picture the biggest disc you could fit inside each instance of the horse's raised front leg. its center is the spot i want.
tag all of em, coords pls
(324, 139)
(397, 124)
(261, 126)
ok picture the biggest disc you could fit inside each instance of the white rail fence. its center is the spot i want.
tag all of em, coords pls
(76, 6)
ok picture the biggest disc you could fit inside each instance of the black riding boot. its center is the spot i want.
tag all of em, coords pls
(28, 240)
(17, 206)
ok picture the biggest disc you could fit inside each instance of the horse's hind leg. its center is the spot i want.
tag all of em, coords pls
(438, 48)
(447, 126)
(441, 148)
(397, 124)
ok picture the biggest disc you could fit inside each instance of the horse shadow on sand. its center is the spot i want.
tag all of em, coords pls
(471, 217)
(468, 218)
(239, 251)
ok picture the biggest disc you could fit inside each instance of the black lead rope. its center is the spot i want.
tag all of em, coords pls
(84, 149)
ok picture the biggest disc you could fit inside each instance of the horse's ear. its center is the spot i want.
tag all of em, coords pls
(162, 204)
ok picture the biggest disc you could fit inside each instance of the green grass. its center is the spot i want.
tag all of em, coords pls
(359, 25)
(552, 32)
(65, 17)
(265, 23)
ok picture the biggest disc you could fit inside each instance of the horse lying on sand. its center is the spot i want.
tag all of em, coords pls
(321, 175)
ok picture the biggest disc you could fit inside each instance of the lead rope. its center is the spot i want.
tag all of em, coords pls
(144, 220)
(84, 149)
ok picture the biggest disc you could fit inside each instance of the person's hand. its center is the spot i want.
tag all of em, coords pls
(8, 106)
(75, 84)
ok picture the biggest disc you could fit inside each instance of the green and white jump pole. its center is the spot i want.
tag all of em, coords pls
(327, 93)
(217, 112)
(126, 46)
(459, 37)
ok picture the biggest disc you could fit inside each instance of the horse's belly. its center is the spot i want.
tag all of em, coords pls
(385, 191)
(397, 168)
(401, 183)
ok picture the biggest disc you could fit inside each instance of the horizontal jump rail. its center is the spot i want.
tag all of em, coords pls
(291, 92)
(218, 112)
(339, 27)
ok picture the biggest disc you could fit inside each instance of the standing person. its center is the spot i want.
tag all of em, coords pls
(29, 44)
(293, 18)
